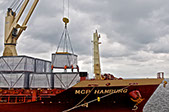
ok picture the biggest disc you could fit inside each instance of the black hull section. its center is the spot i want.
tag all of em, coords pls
(119, 101)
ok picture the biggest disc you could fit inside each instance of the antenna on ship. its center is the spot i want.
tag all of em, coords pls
(97, 69)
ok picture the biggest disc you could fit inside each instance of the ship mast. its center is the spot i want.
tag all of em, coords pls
(97, 70)
(11, 27)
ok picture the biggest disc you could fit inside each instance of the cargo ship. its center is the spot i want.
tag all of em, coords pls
(29, 84)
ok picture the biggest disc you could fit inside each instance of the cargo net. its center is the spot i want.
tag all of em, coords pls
(24, 63)
(64, 55)
(35, 80)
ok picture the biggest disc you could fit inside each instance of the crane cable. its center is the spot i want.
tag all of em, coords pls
(19, 5)
(16, 4)
(68, 8)
(64, 8)
(65, 36)
(70, 42)
(11, 6)
(104, 96)
(66, 42)
(85, 97)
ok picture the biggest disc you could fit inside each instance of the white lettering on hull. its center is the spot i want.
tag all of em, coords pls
(102, 91)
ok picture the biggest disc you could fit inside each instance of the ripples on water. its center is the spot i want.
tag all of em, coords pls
(159, 101)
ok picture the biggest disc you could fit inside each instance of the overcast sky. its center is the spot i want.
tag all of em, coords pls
(134, 34)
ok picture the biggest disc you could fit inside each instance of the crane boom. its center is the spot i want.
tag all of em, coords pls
(12, 26)
(14, 23)
(27, 17)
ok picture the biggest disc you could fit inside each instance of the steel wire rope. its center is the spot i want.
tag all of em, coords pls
(84, 97)
(77, 106)
(12, 4)
(63, 8)
(58, 47)
(64, 42)
(68, 8)
(70, 42)
(19, 5)
(70, 45)
(60, 39)
(60, 42)
(65, 35)
(15, 3)
(67, 48)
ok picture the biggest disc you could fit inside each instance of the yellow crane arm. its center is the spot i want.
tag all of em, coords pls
(21, 10)
(14, 24)
(11, 27)
(27, 17)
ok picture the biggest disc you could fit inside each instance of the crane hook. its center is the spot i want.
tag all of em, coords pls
(65, 20)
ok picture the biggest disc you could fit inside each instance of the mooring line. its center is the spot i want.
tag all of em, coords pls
(92, 100)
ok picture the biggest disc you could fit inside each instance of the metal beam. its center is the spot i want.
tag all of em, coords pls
(27, 17)
(14, 24)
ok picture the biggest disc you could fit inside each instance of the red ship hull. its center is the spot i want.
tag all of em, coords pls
(117, 102)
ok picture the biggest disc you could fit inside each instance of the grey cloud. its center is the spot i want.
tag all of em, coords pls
(160, 45)
(133, 33)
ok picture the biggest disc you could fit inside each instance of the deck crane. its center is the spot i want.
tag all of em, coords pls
(13, 30)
